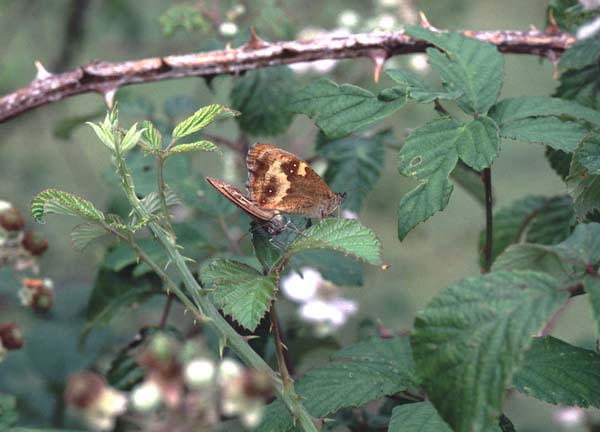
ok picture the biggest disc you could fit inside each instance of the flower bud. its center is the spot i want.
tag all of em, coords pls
(12, 220)
(146, 397)
(199, 372)
(38, 294)
(35, 242)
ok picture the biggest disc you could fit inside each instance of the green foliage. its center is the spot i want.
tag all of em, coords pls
(83, 234)
(182, 18)
(417, 89)
(535, 219)
(204, 146)
(342, 235)
(202, 118)
(372, 369)
(560, 161)
(581, 85)
(244, 293)
(473, 68)
(417, 417)
(431, 153)
(262, 96)
(55, 201)
(151, 137)
(591, 282)
(559, 373)
(334, 266)
(582, 53)
(583, 185)
(354, 164)
(8, 411)
(343, 109)
(469, 341)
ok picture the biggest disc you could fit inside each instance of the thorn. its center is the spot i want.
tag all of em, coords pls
(383, 332)
(222, 345)
(255, 41)
(195, 322)
(250, 337)
(533, 28)
(379, 57)
(552, 27)
(109, 97)
(41, 73)
(185, 311)
(554, 60)
(424, 22)
(168, 291)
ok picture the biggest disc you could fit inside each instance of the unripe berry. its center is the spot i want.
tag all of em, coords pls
(10, 336)
(35, 243)
(12, 220)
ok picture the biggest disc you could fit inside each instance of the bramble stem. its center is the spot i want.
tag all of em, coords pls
(279, 349)
(165, 312)
(486, 177)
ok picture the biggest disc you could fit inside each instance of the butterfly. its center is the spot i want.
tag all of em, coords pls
(280, 182)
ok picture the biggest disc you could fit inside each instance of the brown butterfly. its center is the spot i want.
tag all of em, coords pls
(269, 219)
(279, 180)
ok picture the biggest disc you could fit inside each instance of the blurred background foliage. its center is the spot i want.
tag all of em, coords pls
(48, 148)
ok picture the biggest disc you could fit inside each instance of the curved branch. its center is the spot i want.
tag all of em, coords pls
(106, 78)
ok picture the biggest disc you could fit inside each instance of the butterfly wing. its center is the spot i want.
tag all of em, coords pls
(280, 180)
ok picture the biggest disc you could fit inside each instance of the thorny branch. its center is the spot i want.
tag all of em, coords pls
(106, 78)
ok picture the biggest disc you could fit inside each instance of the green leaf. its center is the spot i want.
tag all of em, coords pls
(581, 86)
(473, 68)
(343, 109)
(336, 267)
(151, 137)
(559, 373)
(470, 339)
(265, 248)
(518, 108)
(372, 369)
(588, 154)
(535, 219)
(551, 131)
(560, 161)
(417, 89)
(151, 201)
(83, 234)
(592, 288)
(8, 411)
(583, 187)
(342, 235)
(113, 292)
(205, 146)
(244, 292)
(262, 96)
(430, 154)
(354, 164)
(582, 53)
(55, 201)
(417, 417)
(131, 138)
(200, 119)
(421, 203)
(104, 133)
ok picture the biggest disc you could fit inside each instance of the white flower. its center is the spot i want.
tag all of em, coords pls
(102, 413)
(199, 372)
(419, 62)
(589, 29)
(146, 396)
(334, 312)
(228, 28)
(348, 18)
(301, 287)
(349, 214)
(569, 416)
(386, 22)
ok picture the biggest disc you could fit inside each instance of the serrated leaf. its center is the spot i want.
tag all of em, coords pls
(583, 187)
(83, 234)
(343, 109)
(200, 119)
(559, 373)
(469, 340)
(151, 201)
(59, 202)
(551, 131)
(421, 203)
(417, 89)
(342, 235)
(354, 164)
(535, 219)
(592, 288)
(205, 146)
(581, 86)
(335, 267)
(417, 417)
(431, 153)
(588, 154)
(245, 293)
(104, 134)
(262, 96)
(518, 108)
(372, 369)
(471, 67)
(582, 53)
(151, 137)
(130, 139)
